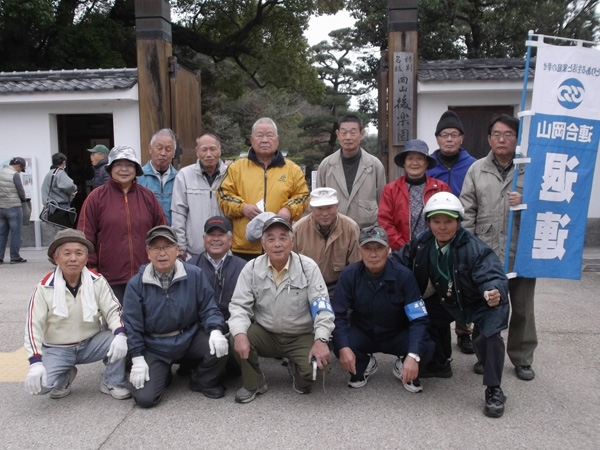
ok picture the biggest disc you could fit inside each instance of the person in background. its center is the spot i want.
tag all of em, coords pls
(57, 185)
(11, 211)
(99, 159)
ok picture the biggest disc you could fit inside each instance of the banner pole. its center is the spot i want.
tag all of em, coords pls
(520, 137)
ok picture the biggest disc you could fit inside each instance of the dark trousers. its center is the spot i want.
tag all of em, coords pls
(439, 330)
(207, 373)
(363, 345)
(490, 351)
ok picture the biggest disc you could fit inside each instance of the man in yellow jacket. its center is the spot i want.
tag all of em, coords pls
(264, 181)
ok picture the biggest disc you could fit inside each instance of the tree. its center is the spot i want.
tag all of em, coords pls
(452, 29)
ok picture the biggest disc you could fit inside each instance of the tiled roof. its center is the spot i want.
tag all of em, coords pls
(497, 69)
(67, 80)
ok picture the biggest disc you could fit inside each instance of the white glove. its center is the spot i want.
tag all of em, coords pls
(36, 378)
(118, 348)
(140, 373)
(218, 343)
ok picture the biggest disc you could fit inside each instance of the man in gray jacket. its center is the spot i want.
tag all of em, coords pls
(194, 198)
(357, 176)
(487, 197)
(280, 308)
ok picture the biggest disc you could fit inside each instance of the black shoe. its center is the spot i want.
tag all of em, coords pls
(494, 402)
(465, 344)
(436, 370)
(183, 371)
(525, 373)
(17, 261)
(209, 392)
(478, 368)
(1, 261)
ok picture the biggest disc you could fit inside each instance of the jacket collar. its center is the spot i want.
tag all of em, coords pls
(148, 275)
(277, 161)
(48, 280)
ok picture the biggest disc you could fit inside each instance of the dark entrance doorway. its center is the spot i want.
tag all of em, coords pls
(77, 133)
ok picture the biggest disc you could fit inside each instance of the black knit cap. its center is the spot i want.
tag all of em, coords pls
(449, 120)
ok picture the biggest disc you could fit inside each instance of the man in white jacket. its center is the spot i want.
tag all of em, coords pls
(63, 325)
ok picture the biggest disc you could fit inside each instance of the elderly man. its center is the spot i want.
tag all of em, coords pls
(11, 211)
(487, 196)
(378, 308)
(116, 217)
(452, 163)
(327, 237)
(280, 308)
(194, 195)
(357, 176)
(171, 314)
(63, 323)
(264, 181)
(159, 174)
(462, 279)
(99, 159)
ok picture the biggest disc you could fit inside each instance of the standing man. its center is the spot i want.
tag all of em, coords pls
(170, 313)
(327, 237)
(195, 196)
(453, 161)
(487, 197)
(378, 308)
(279, 309)
(357, 176)
(264, 181)
(11, 211)
(99, 158)
(467, 284)
(159, 174)
(63, 326)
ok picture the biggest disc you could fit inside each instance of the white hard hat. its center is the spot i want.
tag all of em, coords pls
(444, 203)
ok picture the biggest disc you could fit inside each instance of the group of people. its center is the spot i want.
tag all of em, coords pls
(214, 266)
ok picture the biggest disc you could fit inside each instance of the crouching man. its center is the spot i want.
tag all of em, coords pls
(63, 323)
(378, 308)
(469, 282)
(171, 314)
(280, 308)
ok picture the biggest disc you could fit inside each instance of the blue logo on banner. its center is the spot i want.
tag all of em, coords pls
(570, 93)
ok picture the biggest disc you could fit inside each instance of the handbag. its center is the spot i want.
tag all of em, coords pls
(55, 215)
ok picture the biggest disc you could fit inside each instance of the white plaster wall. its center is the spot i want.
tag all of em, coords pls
(29, 129)
(434, 99)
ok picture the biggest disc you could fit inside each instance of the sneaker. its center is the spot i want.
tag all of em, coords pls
(370, 370)
(465, 344)
(293, 371)
(413, 386)
(116, 392)
(66, 389)
(525, 373)
(478, 368)
(494, 402)
(17, 261)
(243, 395)
(436, 370)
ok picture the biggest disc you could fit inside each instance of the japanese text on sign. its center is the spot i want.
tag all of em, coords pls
(402, 97)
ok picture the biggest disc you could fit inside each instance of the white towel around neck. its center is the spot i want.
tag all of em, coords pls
(90, 307)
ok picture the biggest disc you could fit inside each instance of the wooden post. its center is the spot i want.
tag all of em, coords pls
(402, 80)
(153, 34)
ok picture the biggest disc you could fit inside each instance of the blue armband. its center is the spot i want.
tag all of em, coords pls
(415, 310)
(320, 304)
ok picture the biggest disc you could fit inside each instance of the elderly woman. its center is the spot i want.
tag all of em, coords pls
(57, 185)
(116, 216)
(402, 201)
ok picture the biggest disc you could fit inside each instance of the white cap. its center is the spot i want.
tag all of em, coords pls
(323, 197)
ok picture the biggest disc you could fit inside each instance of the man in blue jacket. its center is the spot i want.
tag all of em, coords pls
(387, 315)
(462, 277)
(171, 314)
(159, 173)
(453, 161)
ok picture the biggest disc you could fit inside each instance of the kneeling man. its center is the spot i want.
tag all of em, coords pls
(280, 308)
(171, 314)
(378, 308)
(63, 323)
(470, 284)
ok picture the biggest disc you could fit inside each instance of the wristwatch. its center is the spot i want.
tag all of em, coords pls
(414, 356)
(323, 340)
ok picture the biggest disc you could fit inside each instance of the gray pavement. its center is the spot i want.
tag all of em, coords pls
(559, 409)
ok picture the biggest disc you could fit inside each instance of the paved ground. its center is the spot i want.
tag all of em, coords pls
(559, 409)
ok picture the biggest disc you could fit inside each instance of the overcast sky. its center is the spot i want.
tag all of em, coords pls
(320, 27)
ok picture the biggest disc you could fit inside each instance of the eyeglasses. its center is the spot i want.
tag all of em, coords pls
(449, 135)
(506, 136)
(166, 248)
